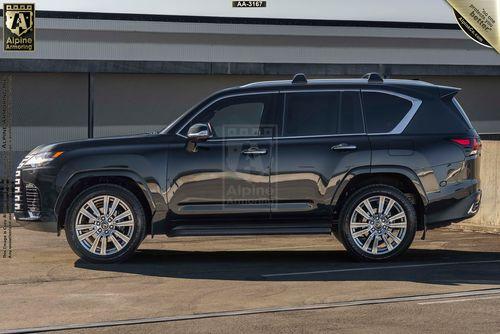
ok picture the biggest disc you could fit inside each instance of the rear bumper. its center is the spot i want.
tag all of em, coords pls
(453, 211)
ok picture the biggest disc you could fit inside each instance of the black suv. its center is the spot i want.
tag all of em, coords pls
(368, 160)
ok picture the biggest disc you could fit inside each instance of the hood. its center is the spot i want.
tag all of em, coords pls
(101, 142)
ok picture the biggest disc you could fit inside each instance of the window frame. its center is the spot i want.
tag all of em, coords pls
(280, 108)
(403, 123)
(281, 127)
(221, 98)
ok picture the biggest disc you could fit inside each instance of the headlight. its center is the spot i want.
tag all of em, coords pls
(42, 158)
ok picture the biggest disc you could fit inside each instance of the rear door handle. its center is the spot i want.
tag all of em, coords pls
(254, 151)
(343, 147)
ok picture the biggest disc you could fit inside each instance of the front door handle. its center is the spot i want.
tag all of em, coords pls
(343, 147)
(255, 151)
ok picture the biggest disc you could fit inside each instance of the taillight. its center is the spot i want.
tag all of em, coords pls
(465, 142)
(472, 146)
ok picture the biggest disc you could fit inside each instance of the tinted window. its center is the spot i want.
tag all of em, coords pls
(350, 119)
(322, 113)
(383, 111)
(241, 116)
(437, 117)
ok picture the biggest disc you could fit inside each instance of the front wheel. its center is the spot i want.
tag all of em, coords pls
(378, 222)
(105, 224)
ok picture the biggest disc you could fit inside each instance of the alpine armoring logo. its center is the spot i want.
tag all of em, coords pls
(19, 27)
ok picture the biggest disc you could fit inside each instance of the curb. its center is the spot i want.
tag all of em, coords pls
(468, 227)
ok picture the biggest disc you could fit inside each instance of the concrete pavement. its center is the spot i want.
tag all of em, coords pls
(45, 284)
(455, 316)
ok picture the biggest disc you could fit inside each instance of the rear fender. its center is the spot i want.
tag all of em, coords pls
(373, 171)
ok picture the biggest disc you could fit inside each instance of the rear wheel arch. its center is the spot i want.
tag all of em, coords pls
(81, 182)
(402, 179)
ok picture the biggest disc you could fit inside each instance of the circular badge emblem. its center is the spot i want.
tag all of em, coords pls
(470, 31)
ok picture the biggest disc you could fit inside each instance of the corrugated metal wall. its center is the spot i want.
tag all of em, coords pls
(85, 39)
(51, 107)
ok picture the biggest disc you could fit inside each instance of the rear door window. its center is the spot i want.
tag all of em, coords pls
(384, 111)
(322, 113)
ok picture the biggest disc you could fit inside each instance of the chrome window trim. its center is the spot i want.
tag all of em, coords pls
(322, 136)
(401, 126)
(287, 137)
(398, 129)
(217, 140)
(217, 100)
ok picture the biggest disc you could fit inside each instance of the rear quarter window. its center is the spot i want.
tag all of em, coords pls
(439, 117)
(383, 111)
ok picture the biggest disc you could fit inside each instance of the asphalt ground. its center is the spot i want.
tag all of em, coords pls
(447, 283)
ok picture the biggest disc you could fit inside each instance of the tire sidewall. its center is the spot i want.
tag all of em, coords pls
(359, 196)
(124, 195)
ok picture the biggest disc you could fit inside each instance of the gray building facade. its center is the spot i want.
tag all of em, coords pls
(95, 74)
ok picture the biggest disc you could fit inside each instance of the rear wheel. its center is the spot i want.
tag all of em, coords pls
(105, 224)
(378, 222)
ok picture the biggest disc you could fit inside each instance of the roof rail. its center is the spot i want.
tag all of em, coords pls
(299, 78)
(373, 77)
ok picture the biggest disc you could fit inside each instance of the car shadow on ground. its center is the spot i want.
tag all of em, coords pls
(449, 267)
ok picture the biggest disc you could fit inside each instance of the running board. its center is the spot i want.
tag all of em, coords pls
(211, 229)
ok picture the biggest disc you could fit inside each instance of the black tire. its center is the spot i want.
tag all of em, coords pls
(139, 229)
(344, 233)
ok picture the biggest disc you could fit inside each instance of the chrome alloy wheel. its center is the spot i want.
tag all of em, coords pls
(378, 225)
(104, 225)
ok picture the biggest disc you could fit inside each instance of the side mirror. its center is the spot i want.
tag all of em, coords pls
(199, 132)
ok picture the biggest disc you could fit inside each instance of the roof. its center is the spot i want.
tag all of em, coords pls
(372, 80)
(334, 82)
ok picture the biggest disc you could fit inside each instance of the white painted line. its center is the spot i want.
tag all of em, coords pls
(141, 321)
(448, 301)
(437, 264)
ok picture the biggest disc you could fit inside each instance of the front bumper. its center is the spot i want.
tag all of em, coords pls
(34, 199)
(42, 223)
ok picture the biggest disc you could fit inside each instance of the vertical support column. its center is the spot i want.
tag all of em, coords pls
(90, 104)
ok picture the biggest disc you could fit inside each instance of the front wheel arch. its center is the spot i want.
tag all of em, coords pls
(83, 225)
(81, 182)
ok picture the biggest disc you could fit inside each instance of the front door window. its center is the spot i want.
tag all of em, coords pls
(239, 117)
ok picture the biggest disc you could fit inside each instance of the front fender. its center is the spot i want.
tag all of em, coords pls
(79, 176)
